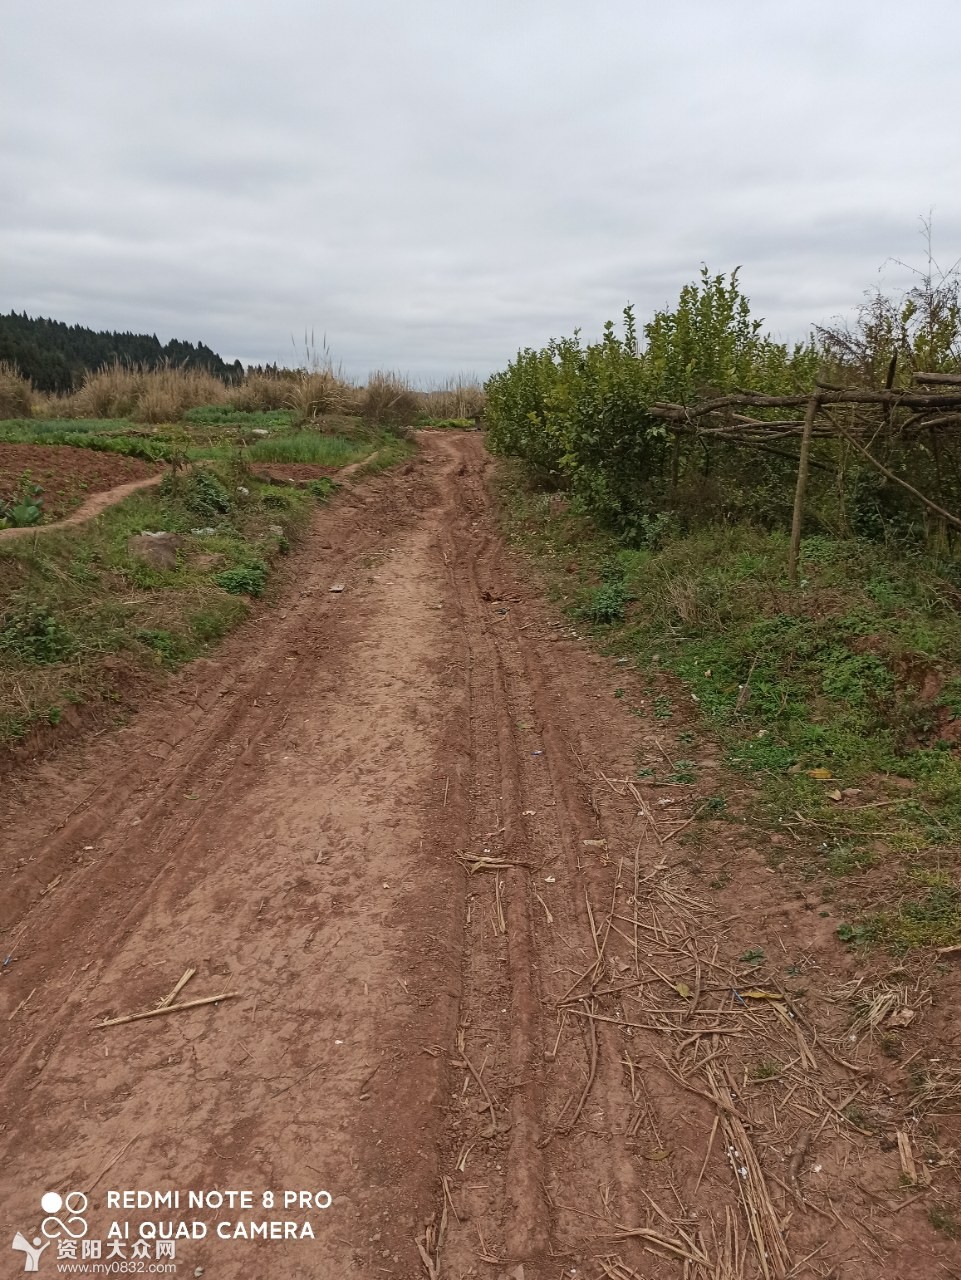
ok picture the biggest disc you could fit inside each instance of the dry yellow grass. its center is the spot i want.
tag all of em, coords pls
(319, 391)
(390, 400)
(143, 395)
(460, 397)
(261, 392)
(313, 392)
(16, 394)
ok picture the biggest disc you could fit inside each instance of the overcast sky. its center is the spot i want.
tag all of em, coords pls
(435, 184)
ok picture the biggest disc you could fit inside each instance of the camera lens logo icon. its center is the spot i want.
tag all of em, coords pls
(73, 1206)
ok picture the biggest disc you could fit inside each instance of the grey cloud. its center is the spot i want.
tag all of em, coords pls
(435, 185)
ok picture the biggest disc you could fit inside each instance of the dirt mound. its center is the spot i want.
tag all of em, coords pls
(67, 475)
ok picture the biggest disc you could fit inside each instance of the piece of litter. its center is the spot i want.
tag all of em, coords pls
(549, 880)
(902, 1018)
(529, 813)
(595, 844)
(337, 588)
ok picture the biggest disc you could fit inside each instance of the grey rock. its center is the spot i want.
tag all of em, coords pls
(159, 550)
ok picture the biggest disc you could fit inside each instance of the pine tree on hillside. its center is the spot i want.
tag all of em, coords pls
(55, 356)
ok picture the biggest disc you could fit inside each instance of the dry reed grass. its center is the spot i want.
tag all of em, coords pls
(315, 391)
(389, 400)
(143, 395)
(460, 397)
(16, 394)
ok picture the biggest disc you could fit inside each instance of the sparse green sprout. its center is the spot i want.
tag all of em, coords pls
(766, 1071)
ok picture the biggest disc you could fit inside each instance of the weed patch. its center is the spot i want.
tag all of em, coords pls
(839, 701)
(78, 613)
(247, 580)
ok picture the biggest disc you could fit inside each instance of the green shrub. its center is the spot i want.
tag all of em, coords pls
(580, 412)
(171, 648)
(33, 634)
(323, 488)
(247, 580)
(201, 492)
(607, 604)
(25, 508)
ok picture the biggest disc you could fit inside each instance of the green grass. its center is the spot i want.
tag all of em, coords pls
(391, 451)
(76, 609)
(838, 700)
(108, 435)
(215, 434)
(73, 603)
(312, 447)
(943, 1219)
(31, 430)
(222, 415)
(928, 915)
(445, 424)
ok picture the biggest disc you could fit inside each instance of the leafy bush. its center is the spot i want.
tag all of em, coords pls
(33, 634)
(172, 649)
(201, 493)
(582, 412)
(323, 487)
(247, 580)
(607, 603)
(24, 508)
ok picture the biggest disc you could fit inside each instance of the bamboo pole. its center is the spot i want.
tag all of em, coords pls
(814, 405)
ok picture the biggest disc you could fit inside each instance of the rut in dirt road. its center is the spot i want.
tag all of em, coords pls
(476, 996)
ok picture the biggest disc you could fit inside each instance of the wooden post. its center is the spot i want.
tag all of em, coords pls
(814, 405)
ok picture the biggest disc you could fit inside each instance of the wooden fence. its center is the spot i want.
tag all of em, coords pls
(870, 415)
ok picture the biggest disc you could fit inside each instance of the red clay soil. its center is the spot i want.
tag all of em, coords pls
(304, 472)
(292, 472)
(482, 992)
(67, 475)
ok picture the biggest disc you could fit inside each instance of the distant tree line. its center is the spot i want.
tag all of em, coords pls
(55, 356)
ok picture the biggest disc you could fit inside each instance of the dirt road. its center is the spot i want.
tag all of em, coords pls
(478, 995)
